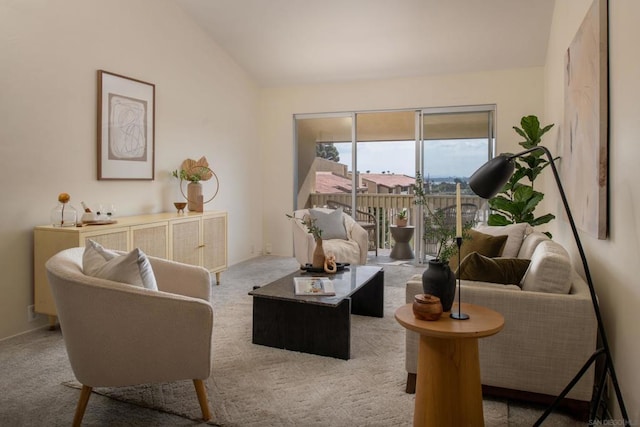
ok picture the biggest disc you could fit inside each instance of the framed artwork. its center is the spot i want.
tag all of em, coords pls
(126, 128)
(584, 164)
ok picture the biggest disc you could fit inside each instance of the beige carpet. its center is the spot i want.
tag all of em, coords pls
(177, 398)
(254, 385)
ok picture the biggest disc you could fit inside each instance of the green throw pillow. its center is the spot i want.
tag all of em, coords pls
(506, 271)
(484, 244)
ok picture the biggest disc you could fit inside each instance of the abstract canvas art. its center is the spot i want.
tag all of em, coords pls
(584, 164)
(125, 128)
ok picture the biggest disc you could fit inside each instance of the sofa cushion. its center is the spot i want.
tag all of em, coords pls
(515, 235)
(529, 244)
(484, 244)
(549, 270)
(331, 223)
(133, 268)
(506, 271)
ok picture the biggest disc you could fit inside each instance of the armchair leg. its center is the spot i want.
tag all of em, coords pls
(202, 398)
(85, 394)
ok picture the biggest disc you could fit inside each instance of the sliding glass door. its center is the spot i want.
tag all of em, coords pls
(454, 142)
(321, 167)
(386, 165)
(367, 161)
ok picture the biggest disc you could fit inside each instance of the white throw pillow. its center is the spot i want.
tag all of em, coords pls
(529, 244)
(133, 268)
(515, 233)
(549, 270)
(94, 257)
(331, 223)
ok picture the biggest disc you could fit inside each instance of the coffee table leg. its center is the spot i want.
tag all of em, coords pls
(369, 300)
(448, 389)
(310, 328)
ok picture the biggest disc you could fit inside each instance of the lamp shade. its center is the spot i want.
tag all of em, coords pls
(489, 179)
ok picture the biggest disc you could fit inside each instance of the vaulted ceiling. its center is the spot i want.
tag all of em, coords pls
(291, 42)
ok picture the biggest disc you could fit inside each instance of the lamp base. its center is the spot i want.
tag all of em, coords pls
(459, 316)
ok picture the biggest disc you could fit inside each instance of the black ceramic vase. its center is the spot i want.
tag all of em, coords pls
(439, 280)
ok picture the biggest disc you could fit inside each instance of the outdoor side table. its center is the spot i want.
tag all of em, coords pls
(401, 236)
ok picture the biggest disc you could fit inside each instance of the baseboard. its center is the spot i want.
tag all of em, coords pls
(578, 409)
(37, 328)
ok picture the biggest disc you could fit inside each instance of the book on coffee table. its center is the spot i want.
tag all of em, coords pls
(320, 286)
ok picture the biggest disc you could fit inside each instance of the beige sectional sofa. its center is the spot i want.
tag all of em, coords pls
(550, 326)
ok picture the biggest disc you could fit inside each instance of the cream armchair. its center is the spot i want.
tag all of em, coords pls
(353, 250)
(119, 335)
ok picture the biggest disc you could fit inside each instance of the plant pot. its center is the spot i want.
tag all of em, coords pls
(401, 222)
(194, 197)
(438, 280)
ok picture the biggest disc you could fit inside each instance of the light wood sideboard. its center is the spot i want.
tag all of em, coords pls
(191, 238)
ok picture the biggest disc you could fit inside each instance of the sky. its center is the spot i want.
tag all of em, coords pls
(458, 158)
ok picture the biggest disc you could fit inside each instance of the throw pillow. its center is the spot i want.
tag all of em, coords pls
(506, 271)
(133, 268)
(331, 223)
(550, 269)
(530, 242)
(484, 244)
(515, 234)
(94, 257)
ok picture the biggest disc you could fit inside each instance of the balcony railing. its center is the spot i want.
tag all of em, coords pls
(385, 206)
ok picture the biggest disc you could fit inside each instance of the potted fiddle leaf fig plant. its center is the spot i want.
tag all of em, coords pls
(518, 200)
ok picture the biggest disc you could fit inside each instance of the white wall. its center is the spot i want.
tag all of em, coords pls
(205, 105)
(516, 93)
(613, 262)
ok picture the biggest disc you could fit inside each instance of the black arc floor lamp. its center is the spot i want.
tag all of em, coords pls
(486, 182)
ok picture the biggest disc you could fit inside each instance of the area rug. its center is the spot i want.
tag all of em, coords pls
(176, 398)
(254, 385)
(257, 385)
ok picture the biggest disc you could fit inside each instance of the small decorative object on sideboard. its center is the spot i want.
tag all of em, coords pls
(101, 216)
(88, 215)
(64, 215)
(194, 172)
(427, 307)
(180, 206)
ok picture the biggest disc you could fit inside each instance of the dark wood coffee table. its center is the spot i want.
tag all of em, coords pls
(316, 324)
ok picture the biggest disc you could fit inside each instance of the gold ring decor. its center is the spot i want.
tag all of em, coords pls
(214, 194)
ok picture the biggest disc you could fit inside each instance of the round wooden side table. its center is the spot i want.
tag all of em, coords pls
(448, 388)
